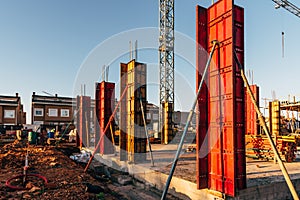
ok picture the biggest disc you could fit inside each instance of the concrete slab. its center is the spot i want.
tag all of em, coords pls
(264, 179)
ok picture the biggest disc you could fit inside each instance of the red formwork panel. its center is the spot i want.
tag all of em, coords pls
(225, 124)
(83, 119)
(252, 125)
(97, 114)
(201, 109)
(105, 96)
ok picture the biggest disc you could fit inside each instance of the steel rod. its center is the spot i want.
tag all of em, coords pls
(87, 130)
(106, 127)
(164, 194)
(146, 131)
(263, 123)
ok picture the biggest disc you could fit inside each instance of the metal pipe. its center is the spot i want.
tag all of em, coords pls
(164, 194)
(130, 50)
(103, 73)
(25, 170)
(282, 35)
(136, 50)
(112, 134)
(106, 127)
(112, 138)
(87, 130)
(146, 131)
(263, 123)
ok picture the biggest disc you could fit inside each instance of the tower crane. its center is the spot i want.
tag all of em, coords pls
(288, 6)
(166, 68)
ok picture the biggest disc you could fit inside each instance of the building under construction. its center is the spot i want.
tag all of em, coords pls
(224, 149)
(230, 128)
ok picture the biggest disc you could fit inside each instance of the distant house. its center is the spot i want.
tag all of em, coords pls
(152, 116)
(58, 111)
(51, 110)
(11, 111)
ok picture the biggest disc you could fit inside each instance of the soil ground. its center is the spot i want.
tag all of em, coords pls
(66, 179)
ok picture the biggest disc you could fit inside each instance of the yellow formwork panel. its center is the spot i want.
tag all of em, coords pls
(136, 81)
(275, 117)
(168, 129)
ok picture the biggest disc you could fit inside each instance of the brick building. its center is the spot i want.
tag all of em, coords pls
(51, 110)
(11, 111)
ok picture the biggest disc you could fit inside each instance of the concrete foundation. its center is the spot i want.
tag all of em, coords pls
(264, 179)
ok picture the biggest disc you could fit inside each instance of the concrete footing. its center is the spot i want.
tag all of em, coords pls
(259, 186)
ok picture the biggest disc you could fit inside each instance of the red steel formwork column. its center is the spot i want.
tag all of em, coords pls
(133, 132)
(202, 106)
(251, 119)
(223, 168)
(105, 99)
(83, 120)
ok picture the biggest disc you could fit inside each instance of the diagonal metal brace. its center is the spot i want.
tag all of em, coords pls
(164, 194)
(263, 123)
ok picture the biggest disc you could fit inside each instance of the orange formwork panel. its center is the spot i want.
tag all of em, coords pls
(251, 118)
(221, 162)
(105, 99)
(133, 136)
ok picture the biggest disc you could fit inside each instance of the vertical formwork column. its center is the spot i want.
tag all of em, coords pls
(222, 131)
(202, 107)
(98, 117)
(131, 114)
(167, 132)
(251, 119)
(123, 113)
(104, 106)
(239, 101)
(83, 120)
(275, 115)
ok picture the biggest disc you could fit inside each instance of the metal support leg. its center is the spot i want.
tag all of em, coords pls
(146, 131)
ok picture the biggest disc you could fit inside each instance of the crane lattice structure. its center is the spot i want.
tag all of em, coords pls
(166, 60)
(288, 6)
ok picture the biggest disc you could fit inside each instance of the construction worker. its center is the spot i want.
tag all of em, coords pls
(72, 135)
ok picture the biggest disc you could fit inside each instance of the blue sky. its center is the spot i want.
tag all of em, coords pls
(45, 45)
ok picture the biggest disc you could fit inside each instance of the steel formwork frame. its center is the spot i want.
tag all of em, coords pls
(83, 120)
(251, 118)
(132, 134)
(220, 137)
(105, 100)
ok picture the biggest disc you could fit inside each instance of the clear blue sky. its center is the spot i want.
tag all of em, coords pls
(45, 45)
